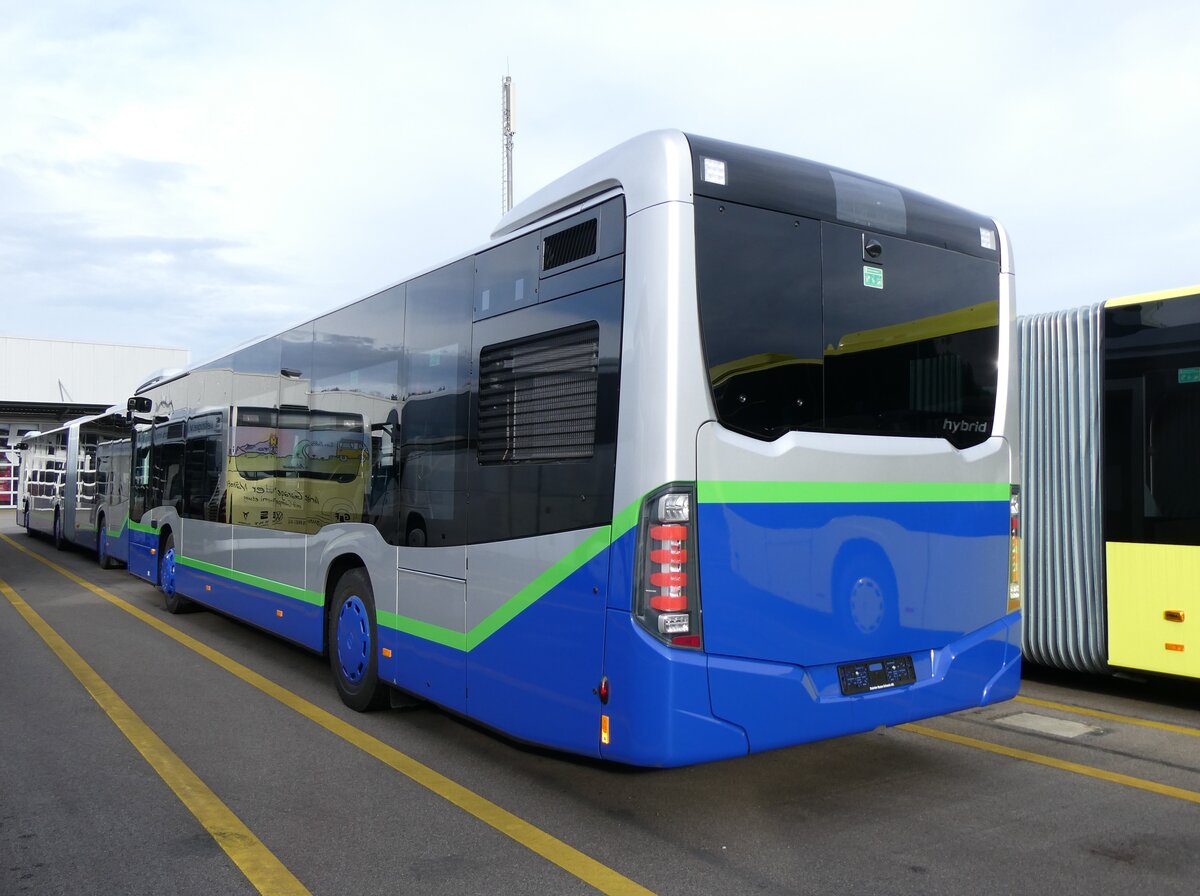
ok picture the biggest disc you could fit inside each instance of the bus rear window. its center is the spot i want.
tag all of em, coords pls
(811, 325)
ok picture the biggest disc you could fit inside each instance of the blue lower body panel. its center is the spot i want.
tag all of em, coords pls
(659, 708)
(538, 676)
(277, 613)
(429, 670)
(142, 558)
(116, 545)
(672, 707)
(778, 704)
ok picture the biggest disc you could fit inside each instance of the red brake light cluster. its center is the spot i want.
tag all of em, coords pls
(667, 602)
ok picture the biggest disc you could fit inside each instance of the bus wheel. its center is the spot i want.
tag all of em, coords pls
(106, 562)
(59, 542)
(353, 643)
(172, 599)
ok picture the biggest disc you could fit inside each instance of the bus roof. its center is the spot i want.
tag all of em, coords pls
(1160, 296)
(663, 166)
(668, 166)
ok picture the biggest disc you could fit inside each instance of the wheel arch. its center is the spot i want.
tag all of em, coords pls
(340, 565)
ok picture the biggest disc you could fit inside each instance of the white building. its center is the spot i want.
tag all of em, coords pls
(46, 382)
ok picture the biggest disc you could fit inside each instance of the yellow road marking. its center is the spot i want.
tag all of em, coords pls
(553, 850)
(1110, 716)
(262, 869)
(1077, 768)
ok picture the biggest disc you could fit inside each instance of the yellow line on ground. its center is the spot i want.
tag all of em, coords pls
(1179, 793)
(553, 850)
(262, 869)
(1109, 716)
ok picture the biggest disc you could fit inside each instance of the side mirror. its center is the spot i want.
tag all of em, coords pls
(139, 404)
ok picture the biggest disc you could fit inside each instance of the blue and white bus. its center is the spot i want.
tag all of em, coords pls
(68, 483)
(710, 450)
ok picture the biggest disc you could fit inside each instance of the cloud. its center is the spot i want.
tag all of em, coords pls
(208, 172)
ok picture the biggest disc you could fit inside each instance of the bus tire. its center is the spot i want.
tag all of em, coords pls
(172, 599)
(105, 561)
(354, 643)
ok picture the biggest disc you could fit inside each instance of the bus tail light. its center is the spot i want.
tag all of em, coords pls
(1014, 549)
(667, 602)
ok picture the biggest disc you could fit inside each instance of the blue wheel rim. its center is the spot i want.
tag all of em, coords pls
(168, 572)
(353, 639)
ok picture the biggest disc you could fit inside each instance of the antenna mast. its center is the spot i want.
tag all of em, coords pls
(506, 133)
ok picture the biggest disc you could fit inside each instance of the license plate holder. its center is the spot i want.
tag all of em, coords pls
(876, 675)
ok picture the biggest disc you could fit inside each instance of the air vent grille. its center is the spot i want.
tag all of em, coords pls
(569, 245)
(537, 397)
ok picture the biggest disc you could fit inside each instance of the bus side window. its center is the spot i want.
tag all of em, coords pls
(433, 428)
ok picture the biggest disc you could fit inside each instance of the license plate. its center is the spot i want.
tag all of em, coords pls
(876, 675)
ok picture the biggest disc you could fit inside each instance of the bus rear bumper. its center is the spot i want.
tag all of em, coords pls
(677, 707)
(779, 705)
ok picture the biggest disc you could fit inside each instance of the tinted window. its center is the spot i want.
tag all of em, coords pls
(204, 462)
(433, 421)
(296, 366)
(506, 277)
(818, 326)
(911, 337)
(1152, 422)
(356, 387)
(140, 498)
(166, 467)
(760, 307)
(358, 349)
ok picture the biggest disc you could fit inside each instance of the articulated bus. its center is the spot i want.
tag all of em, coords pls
(68, 480)
(710, 450)
(1110, 400)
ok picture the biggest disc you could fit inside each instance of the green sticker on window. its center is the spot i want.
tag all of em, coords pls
(1189, 374)
(872, 277)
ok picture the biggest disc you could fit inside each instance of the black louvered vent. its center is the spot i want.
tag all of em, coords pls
(569, 245)
(537, 397)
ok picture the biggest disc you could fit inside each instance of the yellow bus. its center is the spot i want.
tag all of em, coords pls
(1110, 400)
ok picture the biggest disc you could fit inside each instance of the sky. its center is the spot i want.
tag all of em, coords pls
(197, 174)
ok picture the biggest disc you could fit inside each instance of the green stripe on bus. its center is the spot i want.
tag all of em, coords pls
(539, 587)
(849, 492)
(426, 631)
(140, 527)
(708, 493)
(316, 598)
(627, 518)
(510, 609)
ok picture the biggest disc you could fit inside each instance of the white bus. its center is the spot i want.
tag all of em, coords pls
(61, 488)
(710, 450)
